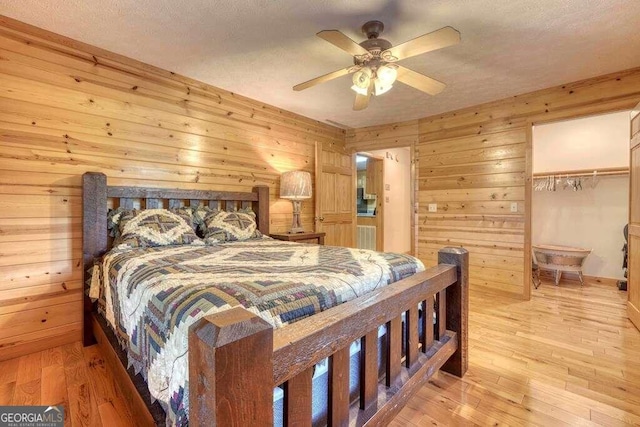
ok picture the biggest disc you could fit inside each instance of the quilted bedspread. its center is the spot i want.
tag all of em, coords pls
(152, 296)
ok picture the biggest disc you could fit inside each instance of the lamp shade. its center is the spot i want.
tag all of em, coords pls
(295, 185)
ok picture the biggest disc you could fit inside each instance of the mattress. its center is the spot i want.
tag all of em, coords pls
(152, 295)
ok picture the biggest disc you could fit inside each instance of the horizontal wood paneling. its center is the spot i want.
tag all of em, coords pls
(402, 134)
(67, 108)
(476, 161)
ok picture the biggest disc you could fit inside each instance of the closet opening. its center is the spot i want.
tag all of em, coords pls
(580, 203)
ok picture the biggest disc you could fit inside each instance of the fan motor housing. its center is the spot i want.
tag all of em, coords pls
(375, 46)
(372, 29)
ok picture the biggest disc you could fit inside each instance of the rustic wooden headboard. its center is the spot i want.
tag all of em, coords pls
(96, 197)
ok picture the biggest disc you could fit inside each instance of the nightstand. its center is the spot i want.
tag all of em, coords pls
(310, 237)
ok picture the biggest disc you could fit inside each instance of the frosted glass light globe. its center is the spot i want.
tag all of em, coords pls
(381, 87)
(387, 75)
(362, 77)
(360, 90)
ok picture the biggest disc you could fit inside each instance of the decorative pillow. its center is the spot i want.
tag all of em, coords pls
(224, 226)
(156, 227)
(113, 221)
(114, 215)
(200, 212)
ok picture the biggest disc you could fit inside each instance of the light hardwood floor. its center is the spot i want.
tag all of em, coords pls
(567, 357)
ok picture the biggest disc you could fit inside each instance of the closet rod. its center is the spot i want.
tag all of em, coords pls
(584, 173)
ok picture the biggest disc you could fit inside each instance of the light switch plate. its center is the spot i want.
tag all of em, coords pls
(433, 207)
(387, 187)
(386, 199)
(514, 206)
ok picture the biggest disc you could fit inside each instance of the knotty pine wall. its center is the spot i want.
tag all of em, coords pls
(476, 161)
(67, 108)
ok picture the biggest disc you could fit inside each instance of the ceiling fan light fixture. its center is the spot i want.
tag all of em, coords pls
(362, 78)
(359, 90)
(374, 66)
(387, 74)
(381, 88)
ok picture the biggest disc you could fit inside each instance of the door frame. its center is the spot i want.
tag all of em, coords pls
(633, 306)
(528, 189)
(413, 191)
(379, 200)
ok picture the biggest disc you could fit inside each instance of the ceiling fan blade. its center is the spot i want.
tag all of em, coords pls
(438, 39)
(419, 81)
(362, 101)
(338, 39)
(325, 78)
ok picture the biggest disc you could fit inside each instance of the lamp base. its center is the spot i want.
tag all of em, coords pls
(296, 227)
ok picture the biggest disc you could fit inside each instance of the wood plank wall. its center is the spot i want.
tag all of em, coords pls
(474, 162)
(67, 108)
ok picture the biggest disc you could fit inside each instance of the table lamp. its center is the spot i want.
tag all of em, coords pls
(295, 186)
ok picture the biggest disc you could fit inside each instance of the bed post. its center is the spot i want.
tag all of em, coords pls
(457, 308)
(262, 208)
(94, 238)
(231, 370)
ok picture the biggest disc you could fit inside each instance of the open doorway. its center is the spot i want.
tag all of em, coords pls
(369, 204)
(580, 201)
(393, 198)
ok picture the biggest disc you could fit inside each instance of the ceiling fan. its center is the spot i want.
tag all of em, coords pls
(375, 69)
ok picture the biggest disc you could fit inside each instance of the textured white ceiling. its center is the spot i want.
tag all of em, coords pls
(261, 48)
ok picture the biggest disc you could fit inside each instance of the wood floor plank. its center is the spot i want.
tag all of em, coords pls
(102, 382)
(72, 355)
(472, 414)
(29, 368)
(27, 393)
(9, 370)
(52, 356)
(6, 393)
(111, 407)
(533, 404)
(114, 414)
(53, 390)
(83, 407)
(605, 420)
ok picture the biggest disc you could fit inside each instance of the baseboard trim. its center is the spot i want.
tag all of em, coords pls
(573, 277)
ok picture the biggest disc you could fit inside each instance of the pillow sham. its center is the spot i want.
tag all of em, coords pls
(156, 227)
(200, 212)
(114, 215)
(113, 221)
(234, 226)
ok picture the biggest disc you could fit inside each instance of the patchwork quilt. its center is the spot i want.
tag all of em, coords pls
(152, 295)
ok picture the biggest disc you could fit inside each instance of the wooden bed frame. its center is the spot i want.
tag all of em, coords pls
(236, 358)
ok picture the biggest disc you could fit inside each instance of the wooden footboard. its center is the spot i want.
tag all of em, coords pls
(236, 359)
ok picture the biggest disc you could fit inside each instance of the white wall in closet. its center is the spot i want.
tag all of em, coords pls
(593, 217)
(587, 143)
